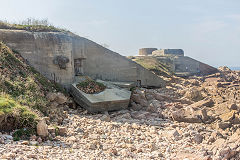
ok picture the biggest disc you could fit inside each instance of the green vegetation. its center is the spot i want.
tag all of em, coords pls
(32, 25)
(154, 65)
(22, 115)
(22, 90)
(23, 133)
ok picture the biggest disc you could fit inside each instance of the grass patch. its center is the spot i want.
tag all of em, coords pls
(32, 25)
(23, 90)
(22, 82)
(22, 116)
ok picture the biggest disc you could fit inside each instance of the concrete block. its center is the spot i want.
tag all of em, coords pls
(111, 99)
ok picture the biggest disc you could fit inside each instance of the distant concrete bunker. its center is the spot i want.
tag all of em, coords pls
(180, 65)
(166, 52)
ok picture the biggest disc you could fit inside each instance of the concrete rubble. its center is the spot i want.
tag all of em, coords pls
(206, 128)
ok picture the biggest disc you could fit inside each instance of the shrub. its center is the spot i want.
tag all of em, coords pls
(31, 24)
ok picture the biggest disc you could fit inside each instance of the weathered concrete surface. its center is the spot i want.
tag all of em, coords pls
(105, 64)
(40, 49)
(162, 52)
(192, 66)
(179, 65)
(146, 51)
(111, 99)
(127, 85)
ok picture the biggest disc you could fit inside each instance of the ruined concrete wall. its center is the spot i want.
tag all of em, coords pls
(40, 49)
(187, 64)
(168, 52)
(105, 64)
(206, 69)
(146, 51)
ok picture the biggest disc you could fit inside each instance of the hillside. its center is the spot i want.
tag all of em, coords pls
(22, 92)
(31, 25)
(154, 65)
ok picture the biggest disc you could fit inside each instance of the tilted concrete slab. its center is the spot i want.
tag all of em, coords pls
(127, 85)
(111, 99)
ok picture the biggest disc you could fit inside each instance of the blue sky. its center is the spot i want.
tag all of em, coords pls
(208, 30)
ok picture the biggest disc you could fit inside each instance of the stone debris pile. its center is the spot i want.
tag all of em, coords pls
(195, 118)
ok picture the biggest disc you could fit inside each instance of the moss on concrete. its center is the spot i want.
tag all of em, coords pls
(154, 65)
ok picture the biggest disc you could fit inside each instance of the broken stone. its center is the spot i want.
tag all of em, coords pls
(72, 139)
(62, 131)
(33, 138)
(51, 129)
(136, 107)
(204, 114)
(54, 105)
(152, 108)
(1, 140)
(39, 140)
(159, 97)
(227, 117)
(183, 115)
(234, 138)
(227, 153)
(33, 143)
(136, 98)
(206, 102)
(61, 99)
(233, 107)
(25, 142)
(106, 118)
(42, 128)
(174, 134)
(198, 138)
(141, 93)
(51, 96)
(223, 125)
(143, 103)
(194, 94)
(236, 119)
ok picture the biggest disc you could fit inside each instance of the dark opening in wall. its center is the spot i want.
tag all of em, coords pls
(138, 83)
(78, 66)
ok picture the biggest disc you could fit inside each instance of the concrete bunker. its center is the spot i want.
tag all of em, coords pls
(65, 58)
(181, 65)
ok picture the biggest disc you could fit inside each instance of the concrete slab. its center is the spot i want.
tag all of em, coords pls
(111, 99)
(127, 85)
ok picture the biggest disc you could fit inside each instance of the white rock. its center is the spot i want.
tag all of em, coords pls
(42, 128)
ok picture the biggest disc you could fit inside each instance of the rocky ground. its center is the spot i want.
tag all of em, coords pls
(195, 118)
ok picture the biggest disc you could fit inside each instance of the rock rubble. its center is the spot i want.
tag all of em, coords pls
(165, 123)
